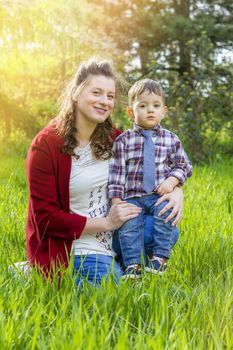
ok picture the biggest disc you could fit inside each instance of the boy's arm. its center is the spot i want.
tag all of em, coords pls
(116, 200)
(181, 167)
(167, 185)
(117, 172)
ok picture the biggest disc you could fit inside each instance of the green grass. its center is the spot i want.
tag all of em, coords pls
(191, 307)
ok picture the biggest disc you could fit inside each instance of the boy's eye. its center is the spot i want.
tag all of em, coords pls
(142, 106)
(96, 93)
(157, 105)
(111, 97)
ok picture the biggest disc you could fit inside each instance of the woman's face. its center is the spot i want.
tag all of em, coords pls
(96, 100)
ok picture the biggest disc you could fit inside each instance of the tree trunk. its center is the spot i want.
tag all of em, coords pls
(182, 8)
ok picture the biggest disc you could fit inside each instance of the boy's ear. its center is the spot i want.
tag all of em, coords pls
(130, 112)
(165, 110)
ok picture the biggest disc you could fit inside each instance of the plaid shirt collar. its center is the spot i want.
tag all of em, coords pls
(157, 129)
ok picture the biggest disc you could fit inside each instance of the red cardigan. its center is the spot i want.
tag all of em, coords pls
(50, 227)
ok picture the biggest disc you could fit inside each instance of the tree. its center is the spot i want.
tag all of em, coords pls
(41, 44)
(183, 43)
(180, 42)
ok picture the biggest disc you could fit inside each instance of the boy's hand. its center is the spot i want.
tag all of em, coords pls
(167, 185)
(116, 200)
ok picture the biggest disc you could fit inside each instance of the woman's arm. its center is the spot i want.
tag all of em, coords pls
(46, 214)
(175, 201)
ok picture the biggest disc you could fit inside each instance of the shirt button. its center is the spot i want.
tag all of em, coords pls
(139, 183)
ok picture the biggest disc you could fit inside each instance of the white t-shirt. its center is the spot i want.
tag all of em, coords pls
(88, 197)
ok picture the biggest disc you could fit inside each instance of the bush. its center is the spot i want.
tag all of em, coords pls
(16, 143)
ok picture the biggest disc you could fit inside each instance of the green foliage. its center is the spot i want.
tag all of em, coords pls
(14, 143)
(184, 44)
(41, 44)
(191, 307)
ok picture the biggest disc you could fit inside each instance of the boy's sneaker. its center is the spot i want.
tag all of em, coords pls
(157, 265)
(133, 272)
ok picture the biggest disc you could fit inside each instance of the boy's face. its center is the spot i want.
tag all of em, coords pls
(147, 110)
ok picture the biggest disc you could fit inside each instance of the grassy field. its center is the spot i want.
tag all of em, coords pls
(191, 307)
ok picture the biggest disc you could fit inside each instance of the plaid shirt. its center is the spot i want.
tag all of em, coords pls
(126, 167)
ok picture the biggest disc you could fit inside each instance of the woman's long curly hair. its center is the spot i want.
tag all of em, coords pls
(102, 138)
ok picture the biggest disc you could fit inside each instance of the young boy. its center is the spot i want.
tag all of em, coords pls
(148, 162)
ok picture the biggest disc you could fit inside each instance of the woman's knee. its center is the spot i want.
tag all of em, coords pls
(94, 268)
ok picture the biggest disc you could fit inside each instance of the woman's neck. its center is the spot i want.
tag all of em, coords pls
(83, 139)
(85, 130)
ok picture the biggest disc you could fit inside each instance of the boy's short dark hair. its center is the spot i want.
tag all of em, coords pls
(152, 86)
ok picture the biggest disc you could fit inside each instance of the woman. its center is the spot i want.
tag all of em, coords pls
(67, 170)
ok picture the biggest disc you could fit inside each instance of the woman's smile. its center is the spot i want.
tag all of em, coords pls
(101, 110)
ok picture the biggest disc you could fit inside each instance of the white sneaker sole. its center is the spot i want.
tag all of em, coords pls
(132, 277)
(155, 272)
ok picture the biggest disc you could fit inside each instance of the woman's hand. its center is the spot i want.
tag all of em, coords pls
(121, 212)
(118, 214)
(175, 199)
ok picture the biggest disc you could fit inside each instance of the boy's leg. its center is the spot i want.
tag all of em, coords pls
(162, 231)
(131, 237)
(117, 248)
(149, 236)
(148, 239)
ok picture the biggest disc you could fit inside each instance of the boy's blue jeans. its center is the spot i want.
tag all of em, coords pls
(148, 240)
(95, 267)
(131, 234)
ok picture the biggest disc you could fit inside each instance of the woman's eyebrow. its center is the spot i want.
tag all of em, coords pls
(101, 89)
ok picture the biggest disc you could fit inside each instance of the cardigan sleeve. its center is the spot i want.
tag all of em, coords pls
(46, 212)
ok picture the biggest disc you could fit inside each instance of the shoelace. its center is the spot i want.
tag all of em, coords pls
(135, 266)
(160, 260)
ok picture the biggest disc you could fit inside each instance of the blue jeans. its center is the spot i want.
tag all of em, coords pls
(94, 268)
(131, 234)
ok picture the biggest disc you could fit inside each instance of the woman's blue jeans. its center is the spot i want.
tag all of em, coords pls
(94, 267)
